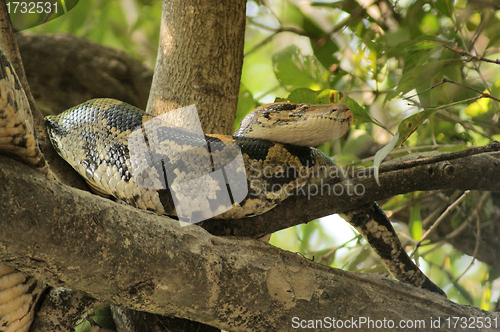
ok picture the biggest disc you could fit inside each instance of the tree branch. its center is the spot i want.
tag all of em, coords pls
(147, 262)
(476, 172)
(83, 70)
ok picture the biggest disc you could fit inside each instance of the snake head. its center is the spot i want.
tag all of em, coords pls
(297, 124)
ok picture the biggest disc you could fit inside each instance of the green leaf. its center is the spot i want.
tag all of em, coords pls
(331, 4)
(325, 51)
(411, 123)
(445, 7)
(295, 16)
(303, 95)
(246, 104)
(295, 70)
(84, 327)
(405, 129)
(415, 223)
(363, 255)
(34, 13)
(429, 24)
(494, 273)
(103, 317)
(420, 77)
(478, 107)
(381, 154)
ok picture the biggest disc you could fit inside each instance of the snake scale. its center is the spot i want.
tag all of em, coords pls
(94, 139)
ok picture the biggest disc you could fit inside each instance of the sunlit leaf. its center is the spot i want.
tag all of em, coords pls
(485, 299)
(296, 70)
(415, 223)
(381, 154)
(478, 107)
(429, 24)
(85, 326)
(304, 95)
(405, 129)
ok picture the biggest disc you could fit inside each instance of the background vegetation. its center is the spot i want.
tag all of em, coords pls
(396, 59)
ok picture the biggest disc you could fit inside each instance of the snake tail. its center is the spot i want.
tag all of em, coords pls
(376, 228)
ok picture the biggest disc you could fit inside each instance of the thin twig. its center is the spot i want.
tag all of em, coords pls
(464, 225)
(470, 57)
(486, 3)
(434, 215)
(451, 117)
(426, 90)
(441, 218)
(460, 228)
(485, 95)
(484, 197)
(465, 101)
(280, 29)
(411, 202)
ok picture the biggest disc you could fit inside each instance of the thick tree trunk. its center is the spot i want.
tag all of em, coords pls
(199, 62)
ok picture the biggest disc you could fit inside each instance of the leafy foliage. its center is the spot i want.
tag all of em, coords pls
(419, 68)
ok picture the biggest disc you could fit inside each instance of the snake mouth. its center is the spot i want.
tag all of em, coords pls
(55, 131)
(349, 118)
(54, 128)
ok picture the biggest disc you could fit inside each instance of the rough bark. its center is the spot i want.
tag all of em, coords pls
(147, 262)
(199, 62)
(64, 70)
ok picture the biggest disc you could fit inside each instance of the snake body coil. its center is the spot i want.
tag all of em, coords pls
(97, 139)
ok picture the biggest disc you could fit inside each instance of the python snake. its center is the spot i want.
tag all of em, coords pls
(94, 139)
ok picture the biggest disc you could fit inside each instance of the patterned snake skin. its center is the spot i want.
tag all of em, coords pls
(94, 139)
(18, 292)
